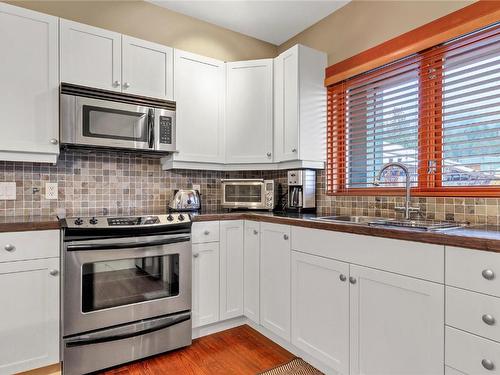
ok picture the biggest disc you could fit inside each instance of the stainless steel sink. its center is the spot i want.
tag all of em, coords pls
(349, 219)
(427, 225)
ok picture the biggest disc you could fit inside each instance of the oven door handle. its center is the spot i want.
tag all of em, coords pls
(126, 245)
(125, 332)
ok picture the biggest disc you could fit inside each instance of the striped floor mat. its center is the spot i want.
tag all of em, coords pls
(296, 366)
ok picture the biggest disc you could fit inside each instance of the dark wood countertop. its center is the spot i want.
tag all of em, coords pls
(486, 238)
(26, 223)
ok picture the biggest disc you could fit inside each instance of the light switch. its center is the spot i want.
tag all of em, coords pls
(51, 190)
(7, 190)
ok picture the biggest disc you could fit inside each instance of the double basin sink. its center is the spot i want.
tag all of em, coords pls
(427, 225)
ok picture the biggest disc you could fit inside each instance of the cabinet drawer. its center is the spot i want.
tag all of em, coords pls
(473, 269)
(29, 245)
(470, 354)
(473, 312)
(205, 231)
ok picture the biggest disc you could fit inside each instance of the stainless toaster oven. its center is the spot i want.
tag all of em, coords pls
(256, 194)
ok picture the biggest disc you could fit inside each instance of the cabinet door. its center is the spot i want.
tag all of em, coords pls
(252, 271)
(90, 56)
(29, 99)
(396, 324)
(275, 278)
(205, 288)
(29, 319)
(199, 91)
(249, 109)
(231, 269)
(320, 309)
(147, 68)
(286, 101)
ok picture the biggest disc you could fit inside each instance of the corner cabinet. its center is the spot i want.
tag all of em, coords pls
(199, 91)
(300, 105)
(95, 57)
(275, 256)
(249, 111)
(251, 273)
(29, 74)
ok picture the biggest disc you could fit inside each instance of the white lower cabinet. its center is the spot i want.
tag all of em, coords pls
(251, 273)
(396, 324)
(29, 318)
(320, 309)
(275, 278)
(205, 289)
(231, 269)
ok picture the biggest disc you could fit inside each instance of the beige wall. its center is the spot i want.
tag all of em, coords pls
(150, 22)
(364, 24)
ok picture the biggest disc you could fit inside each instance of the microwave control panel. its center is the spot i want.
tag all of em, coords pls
(165, 130)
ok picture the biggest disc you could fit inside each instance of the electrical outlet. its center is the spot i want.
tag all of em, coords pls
(51, 190)
(7, 190)
(196, 187)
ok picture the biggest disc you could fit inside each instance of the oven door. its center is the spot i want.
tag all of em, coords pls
(112, 124)
(243, 194)
(113, 281)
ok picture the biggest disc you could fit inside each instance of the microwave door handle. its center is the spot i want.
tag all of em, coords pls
(151, 127)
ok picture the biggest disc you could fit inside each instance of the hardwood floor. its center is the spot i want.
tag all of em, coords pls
(240, 350)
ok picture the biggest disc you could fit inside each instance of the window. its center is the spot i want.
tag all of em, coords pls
(437, 111)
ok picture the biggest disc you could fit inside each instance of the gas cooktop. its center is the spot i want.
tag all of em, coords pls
(103, 222)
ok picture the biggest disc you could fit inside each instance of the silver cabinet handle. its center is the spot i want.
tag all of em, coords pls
(206, 233)
(294, 150)
(53, 272)
(342, 277)
(285, 237)
(255, 231)
(126, 85)
(116, 83)
(54, 141)
(488, 364)
(9, 247)
(488, 319)
(488, 274)
(196, 255)
(268, 154)
(352, 280)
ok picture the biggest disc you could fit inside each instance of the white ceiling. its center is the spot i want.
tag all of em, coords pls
(272, 21)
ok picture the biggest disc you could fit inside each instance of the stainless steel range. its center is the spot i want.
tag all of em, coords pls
(126, 290)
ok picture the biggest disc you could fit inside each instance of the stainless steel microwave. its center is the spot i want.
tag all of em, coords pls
(104, 119)
(256, 194)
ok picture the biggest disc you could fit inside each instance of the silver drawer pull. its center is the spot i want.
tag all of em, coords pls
(488, 319)
(285, 237)
(53, 272)
(488, 274)
(352, 280)
(487, 364)
(342, 277)
(196, 255)
(206, 233)
(9, 247)
(255, 231)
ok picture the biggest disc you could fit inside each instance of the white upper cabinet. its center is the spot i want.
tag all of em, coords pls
(29, 99)
(300, 105)
(396, 324)
(249, 111)
(199, 84)
(90, 56)
(147, 68)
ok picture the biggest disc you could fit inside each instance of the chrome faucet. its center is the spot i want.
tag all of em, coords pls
(407, 209)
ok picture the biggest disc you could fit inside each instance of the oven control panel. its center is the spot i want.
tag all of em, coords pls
(127, 221)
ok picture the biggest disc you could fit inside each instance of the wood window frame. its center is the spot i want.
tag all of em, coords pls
(466, 20)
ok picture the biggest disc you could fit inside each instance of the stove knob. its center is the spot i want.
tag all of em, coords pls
(93, 221)
(170, 217)
(78, 221)
(181, 217)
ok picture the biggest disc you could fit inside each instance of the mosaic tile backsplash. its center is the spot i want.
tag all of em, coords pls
(110, 183)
